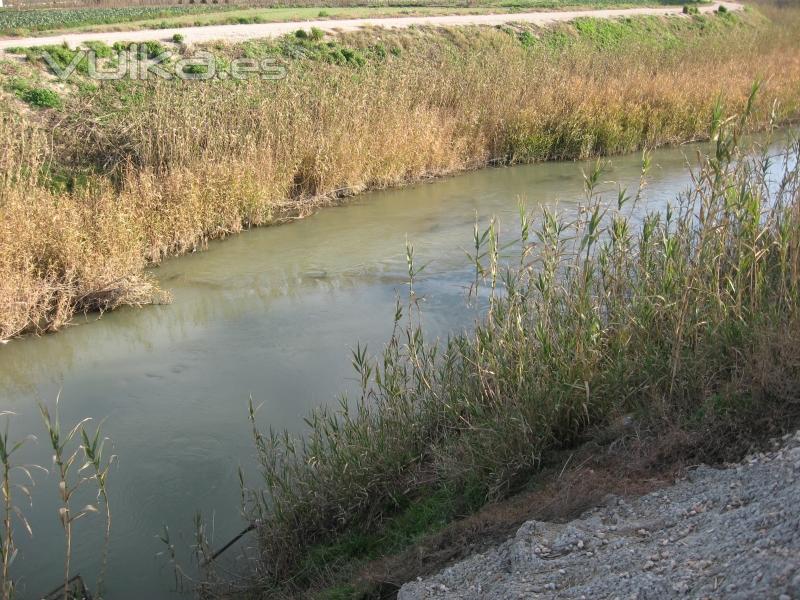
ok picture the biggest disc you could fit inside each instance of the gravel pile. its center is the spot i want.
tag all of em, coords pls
(718, 533)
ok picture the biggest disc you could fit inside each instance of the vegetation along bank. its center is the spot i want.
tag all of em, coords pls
(100, 180)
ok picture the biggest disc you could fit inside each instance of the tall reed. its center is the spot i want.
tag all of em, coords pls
(65, 453)
(686, 318)
(8, 549)
(93, 447)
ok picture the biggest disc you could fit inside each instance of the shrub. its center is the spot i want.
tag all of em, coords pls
(316, 34)
(178, 38)
(41, 98)
(100, 49)
(353, 56)
(151, 49)
(379, 50)
(195, 69)
(527, 39)
(122, 46)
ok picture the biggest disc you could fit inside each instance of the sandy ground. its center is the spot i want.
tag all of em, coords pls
(238, 33)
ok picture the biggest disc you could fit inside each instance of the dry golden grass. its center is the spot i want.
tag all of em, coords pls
(195, 161)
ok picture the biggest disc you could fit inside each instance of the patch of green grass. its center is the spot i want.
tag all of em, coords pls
(60, 56)
(151, 49)
(404, 525)
(339, 592)
(41, 98)
(101, 49)
(34, 94)
(196, 69)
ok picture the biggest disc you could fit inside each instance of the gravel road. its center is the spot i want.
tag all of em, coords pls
(732, 533)
(238, 33)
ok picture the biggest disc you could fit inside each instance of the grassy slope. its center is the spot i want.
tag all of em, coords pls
(19, 23)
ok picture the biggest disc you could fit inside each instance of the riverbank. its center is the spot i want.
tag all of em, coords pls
(671, 331)
(103, 180)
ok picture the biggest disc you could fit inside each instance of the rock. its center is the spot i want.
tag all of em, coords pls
(719, 531)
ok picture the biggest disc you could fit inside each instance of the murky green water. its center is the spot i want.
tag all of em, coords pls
(272, 313)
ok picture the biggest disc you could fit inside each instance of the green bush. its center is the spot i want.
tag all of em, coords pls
(527, 39)
(100, 49)
(122, 46)
(353, 56)
(178, 38)
(151, 49)
(196, 69)
(41, 98)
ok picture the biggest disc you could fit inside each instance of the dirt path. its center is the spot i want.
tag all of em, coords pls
(238, 33)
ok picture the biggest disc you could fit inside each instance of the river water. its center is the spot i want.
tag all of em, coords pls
(272, 313)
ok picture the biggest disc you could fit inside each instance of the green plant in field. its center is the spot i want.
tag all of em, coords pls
(151, 49)
(178, 38)
(196, 69)
(100, 49)
(527, 39)
(41, 98)
(316, 34)
(122, 46)
(379, 51)
(353, 56)
(55, 57)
